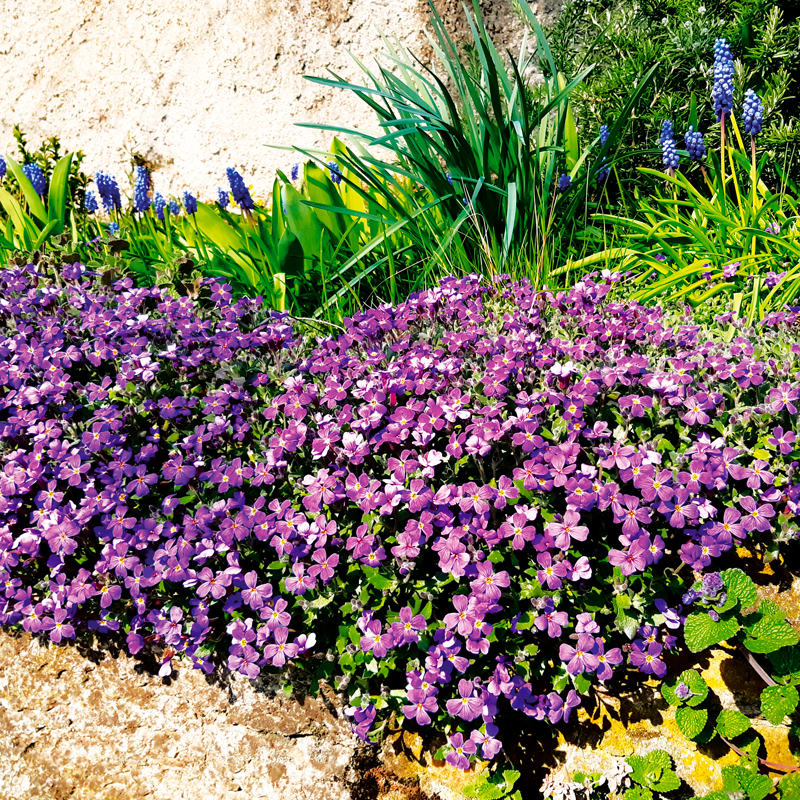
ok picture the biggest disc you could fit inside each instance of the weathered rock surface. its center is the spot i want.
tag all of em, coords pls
(101, 727)
(197, 87)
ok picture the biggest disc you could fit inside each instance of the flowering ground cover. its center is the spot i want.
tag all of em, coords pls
(482, 501)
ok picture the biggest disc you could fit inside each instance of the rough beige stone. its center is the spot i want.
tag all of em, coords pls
(196, 87)
(101, 727)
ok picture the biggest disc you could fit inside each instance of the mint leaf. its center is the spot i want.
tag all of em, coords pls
(701, 631)
(691, 721)
(786, 664)
(697, 686)
(769, 634)
(737, 778)
(638, 793)
(732, 723)
(778, 702)
(653, 770)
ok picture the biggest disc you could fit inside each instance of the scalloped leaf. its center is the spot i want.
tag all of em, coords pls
(769, 634)
(778, 702)
(786, 664)
(696, 684)
(701, 631)
(654, 771)
(741, 586)
(732, 723)
(736, 778)
(691, 721)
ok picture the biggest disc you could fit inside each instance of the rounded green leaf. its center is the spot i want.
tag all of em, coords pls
(732, 723)
(769, 634)
(701, 631)
(691, 721)
(778, 702)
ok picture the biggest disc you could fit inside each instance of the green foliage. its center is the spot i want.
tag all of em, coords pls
(654, 771)
(767, 630)
(32, 221)
(702, 632)
(502, 143)
(624, 37)
(778, 702)
(697, 686)
(691, 721)
(738, 778)
(732, 723)
(497, 786)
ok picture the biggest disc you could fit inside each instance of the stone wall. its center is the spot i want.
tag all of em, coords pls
(196, 87)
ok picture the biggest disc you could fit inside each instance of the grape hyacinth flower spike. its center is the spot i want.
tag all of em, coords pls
(223, 197)
(190, 203)
(108, 189)
(752, 117)
(3, 168)
(670, 154)
(240, 192)
(159, 205)
(604, 171)
(295, 172)
(336, 175)
(33, 172)
(90, 202)
(564, 182)
(722, 91)
(174, 208)
(141, 190)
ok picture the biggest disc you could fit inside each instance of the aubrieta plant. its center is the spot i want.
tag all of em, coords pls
(481, 501)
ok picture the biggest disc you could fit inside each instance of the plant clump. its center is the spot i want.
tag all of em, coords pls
(481, 501)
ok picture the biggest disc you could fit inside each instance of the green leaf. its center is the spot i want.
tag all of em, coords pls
(654, 771)
(769, 634)
(691, 721)
(377, 580)
(58, 193)
(701, 631)
(35, 204)
(736, 778)
(786, 664)
(638, 793)
(732, 723)
(740, 586)
(790, 786)
(496, 557)
(778, 702)
(697, 686)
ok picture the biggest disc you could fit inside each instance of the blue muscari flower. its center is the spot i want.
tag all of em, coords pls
(564, 182)
(3, 168)
(141, 190)
(190, 203)
(666, 131)
(90, 202)
(722, 92)
(752, 115)
(295, 173)
(34, 174)
(108, 189)
(223, 197)
(113, 227)
(336, 175)
(694, 144)
(159, 205)
(449, 178)
(174, 208)
(241, 194)
(671, 158)
(604, 172)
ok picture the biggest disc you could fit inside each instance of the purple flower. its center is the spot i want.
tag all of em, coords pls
(458, 757)
(421, 706)
(280, 650)
(647, 657)
(582, 657)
